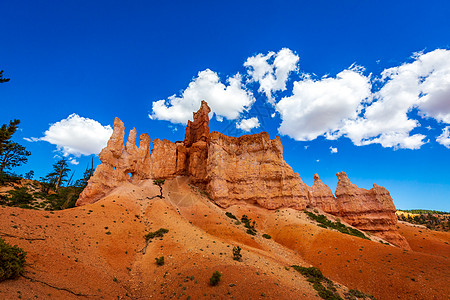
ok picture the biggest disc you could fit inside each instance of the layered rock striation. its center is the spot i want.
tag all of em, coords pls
(233, 170)
(251, 169)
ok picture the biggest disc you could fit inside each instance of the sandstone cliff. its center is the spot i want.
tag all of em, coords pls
(234, 170)
(251, 169)
(370, 210)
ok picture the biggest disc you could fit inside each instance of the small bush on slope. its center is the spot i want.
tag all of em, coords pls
(159, 260)
(158, 233)
(237, 253)
(12, 261)
(315, 276)
(215, 278)
(325, 223)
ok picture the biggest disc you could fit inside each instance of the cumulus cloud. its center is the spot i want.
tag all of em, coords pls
(248, 124)
(321, 107)
(226, 101)
(333, 150)
(346, 105)
(349, 104)
(444, 138)
(73, 161)
(77, 136)
(423, 84)
(272, 71)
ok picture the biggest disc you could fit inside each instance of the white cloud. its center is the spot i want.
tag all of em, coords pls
(333, 150)
(226, 101)
(77, 136)
(345, 105)
(73, 161)
(272, 71)
(444, 138)
(423, 84)
(248, 124)
(321, 107)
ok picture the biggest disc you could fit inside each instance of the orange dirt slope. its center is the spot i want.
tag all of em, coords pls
(96, 251)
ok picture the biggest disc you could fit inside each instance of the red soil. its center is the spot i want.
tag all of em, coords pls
(96, 250)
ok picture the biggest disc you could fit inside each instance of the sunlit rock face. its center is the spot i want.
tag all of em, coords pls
(233, 170)
(370, 210)
(251, 169)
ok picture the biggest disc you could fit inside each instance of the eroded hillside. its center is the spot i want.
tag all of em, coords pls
(95, 251)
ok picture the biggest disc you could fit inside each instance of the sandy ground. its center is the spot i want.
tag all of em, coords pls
(95, 252)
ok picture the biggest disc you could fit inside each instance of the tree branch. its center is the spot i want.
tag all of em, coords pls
(22, 238)
(55, 287)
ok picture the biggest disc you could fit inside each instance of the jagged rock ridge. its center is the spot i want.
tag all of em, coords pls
(248, 169)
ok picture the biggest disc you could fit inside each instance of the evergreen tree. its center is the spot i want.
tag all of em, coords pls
(6, 132)
(3, 79)
(59, 174)
(13, 155)
(29, 175)
(82, 182)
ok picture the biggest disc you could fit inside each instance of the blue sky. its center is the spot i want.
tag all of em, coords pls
(352, 86)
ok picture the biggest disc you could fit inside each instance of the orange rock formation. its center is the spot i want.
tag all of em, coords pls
(234, 170)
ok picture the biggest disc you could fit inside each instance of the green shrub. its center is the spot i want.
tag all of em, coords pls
(230, 215)
(355, 294)
(159, 260)
(266, 236)
(158, 233)
(215, 278)
(325, 223)
(315, 276)
(237, 253)
(247, 224)
(20, 196)
(12, 261)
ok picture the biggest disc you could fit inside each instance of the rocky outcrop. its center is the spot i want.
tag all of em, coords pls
(321, 196)
(119, 164)
(251, 169)
(128, 163)
(198, 130)
(235, 170)
(369, 210)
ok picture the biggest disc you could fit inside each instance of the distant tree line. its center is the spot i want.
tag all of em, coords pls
(431, 220)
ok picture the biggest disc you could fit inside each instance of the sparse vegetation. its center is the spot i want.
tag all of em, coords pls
(230, 215)
(355, 294)
(158, 233)
(215, 278)
(325, 223)
(432, 219)
(266, 236)
(159, 183)
(159, 260)
(249, 225)
(237, 253)
(12, 261)
(315, 276)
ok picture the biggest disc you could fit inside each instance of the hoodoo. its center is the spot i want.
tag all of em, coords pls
(233, 170)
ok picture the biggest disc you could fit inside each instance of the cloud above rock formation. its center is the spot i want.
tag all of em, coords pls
(76, 136)
(248, 124)
(226, 100)
(388, 109)
(320, 107)
(272, 70)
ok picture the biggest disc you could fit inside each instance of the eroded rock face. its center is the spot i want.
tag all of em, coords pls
(233, 170)
(321, 196)
(251, 169)
(198, 130)
(369, 210)
(119, 164)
